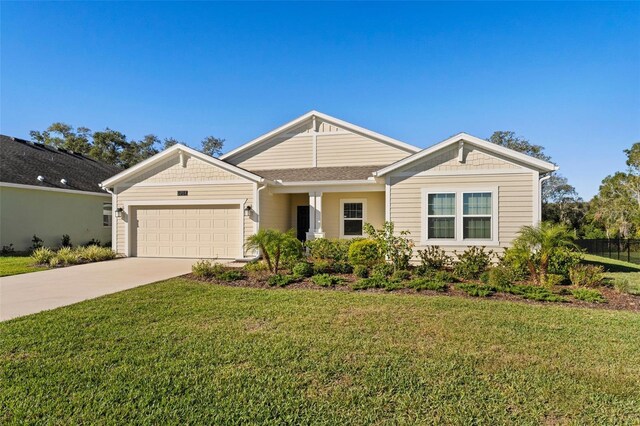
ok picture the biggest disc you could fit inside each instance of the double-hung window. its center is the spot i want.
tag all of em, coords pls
(353, 218)
(106, 214)
(460, 217)
(441, 216)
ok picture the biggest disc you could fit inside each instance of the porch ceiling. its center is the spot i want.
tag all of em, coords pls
(316, 174)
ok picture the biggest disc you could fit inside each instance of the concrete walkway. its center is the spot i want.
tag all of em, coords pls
(39, 291)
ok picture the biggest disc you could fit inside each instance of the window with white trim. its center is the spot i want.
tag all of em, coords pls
(441, 215)
(106, 214)
(476, 215)
(353, 218)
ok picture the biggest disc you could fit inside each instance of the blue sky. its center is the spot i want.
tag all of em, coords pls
(564, 75)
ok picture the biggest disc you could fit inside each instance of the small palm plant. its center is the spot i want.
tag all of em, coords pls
(273, 244)
(536, 245)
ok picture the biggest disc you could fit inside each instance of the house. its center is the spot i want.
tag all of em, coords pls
(324, 177)
(50, 192)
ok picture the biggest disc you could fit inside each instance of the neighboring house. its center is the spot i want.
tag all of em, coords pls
(324, 177)
(49, 192)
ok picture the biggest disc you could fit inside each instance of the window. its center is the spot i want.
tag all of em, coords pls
(106, 214)
(459, 216)
(441, 216)
(476, 215)
(353, 218)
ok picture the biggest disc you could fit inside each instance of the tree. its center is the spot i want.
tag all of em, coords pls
(273, 244)
(63, 136)
(137, 151)
(107, 146)
(169, 142)
(212, 146)
(510, 140)
(536, 245)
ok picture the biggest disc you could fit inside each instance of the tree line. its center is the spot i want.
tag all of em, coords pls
(113, 147)
(613, 212)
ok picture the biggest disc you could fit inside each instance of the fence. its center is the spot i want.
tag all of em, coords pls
(621, 249)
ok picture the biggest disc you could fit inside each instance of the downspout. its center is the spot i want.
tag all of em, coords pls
(114, 224)
(539, 207)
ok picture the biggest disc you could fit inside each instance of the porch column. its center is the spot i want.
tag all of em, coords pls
(315, 216)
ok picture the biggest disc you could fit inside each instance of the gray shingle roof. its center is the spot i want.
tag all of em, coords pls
(319, 173)
(22, 162)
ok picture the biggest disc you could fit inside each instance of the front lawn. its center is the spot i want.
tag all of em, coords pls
(183, 351)
(14, 265)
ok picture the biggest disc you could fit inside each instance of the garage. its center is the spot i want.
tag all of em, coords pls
(198, 231)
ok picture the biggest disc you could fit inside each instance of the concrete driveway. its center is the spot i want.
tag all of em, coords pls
(39, 291)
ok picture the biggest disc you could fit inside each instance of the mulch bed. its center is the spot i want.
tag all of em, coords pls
(614, 299)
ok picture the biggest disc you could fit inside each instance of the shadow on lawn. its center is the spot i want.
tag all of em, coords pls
(614, 267)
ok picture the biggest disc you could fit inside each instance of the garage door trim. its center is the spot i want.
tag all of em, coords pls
(181, 203)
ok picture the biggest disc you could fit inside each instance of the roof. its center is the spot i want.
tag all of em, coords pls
(23, 161)
(311, 174)
(527, 160)
(176, 149)
(329, 119)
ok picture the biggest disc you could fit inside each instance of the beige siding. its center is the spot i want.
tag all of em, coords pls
(332, 216)
(49, 215)
(275, 212)
(474, 159)
(515, 201)
(288, 152)
(350, 149)
(171, 171)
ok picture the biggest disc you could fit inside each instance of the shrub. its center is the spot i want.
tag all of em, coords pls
(533, 292)
(382, 269)
(396, 248)
(36, 242)
(426, 284)
(206, 269)
(7, 250)
(94, 242)
(515, 263)
(365, 253)
(392, 285)
(68, 256)
(303, 269)
(342, 268)
(433, 257)
(500, 277)
(42, 255)
(95, 253)
(326, 280)
(562, 260)
(66, 241)
(401, 275)
(230, 275)
(476, 290)
(586, 275)
(329, 249)
(621, 285)
(554, 280)
(587, 295)
(256, 266)
(361, 271)
(281, 280)
(472, 262)
(55, 262)
(444, 276)
(366, 283)
(321, 267)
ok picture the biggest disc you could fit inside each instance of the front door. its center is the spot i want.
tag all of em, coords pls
(303, 222)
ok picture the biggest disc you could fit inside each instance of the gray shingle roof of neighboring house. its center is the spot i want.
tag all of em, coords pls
(21, 162)
(320, 173)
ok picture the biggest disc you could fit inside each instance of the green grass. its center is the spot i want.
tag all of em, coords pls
(14, 265)
(618, 270)
(180, 352)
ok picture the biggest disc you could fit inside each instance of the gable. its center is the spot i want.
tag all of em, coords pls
(172, 170)
(473, 159)
(319, 142)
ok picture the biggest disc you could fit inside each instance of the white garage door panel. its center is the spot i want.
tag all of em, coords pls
(198, 231)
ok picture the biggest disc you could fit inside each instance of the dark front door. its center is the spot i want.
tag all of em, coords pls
(303, 222)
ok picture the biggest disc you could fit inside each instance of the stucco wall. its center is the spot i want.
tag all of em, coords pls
(49, 215)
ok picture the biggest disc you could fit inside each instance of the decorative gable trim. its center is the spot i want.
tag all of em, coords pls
(181, 151)
(313, 115)
(460, 139)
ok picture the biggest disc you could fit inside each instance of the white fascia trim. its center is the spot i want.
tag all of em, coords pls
(377, 187)
(188, 183)
(534, 163)
(140, 167)
(465, 172)
(340, 123)
(327, 182)
(42, 188)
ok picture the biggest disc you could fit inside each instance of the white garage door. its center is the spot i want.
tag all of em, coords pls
(189, 231)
